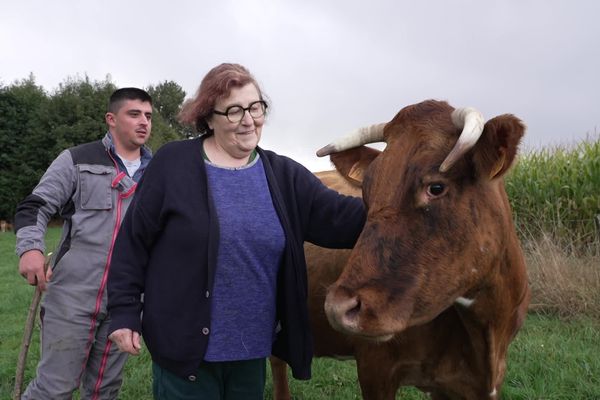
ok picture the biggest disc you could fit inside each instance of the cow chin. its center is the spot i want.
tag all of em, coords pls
(348, 314)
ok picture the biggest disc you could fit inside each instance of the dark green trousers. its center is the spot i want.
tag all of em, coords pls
(228, 380)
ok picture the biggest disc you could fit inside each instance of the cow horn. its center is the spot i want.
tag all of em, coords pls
(368, 134)
(471, 121)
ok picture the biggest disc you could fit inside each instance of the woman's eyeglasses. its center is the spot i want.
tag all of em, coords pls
(235, 114)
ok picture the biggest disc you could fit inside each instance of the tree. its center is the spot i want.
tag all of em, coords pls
(35, 127)
(167, 98)
(76, 110)
(22, 133)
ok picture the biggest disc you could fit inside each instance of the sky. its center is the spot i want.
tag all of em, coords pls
(330, 66)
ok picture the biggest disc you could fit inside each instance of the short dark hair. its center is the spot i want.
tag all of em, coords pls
(128, 93)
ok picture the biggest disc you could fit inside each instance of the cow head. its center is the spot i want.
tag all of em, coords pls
(437, 216)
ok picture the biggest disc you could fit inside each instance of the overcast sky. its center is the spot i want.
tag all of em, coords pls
(331, 66)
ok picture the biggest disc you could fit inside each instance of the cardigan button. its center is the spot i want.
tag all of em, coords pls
(192, 378)
(207, 294)
(205, 331)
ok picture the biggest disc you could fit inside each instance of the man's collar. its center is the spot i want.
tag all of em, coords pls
(145, 151)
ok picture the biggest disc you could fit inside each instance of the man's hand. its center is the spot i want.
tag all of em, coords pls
(127, 340)
(31, 267)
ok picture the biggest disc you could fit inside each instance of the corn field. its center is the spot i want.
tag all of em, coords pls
(556, 192)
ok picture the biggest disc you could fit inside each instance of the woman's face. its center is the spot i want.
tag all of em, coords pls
(237, 138)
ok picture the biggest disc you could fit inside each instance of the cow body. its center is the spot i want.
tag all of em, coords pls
(436, 287)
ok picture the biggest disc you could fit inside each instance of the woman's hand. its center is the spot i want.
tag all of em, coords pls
(126, 340)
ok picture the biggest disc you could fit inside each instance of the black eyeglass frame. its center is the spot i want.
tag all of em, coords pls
(226, 112)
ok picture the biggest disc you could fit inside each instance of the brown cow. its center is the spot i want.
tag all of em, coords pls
(436, 287)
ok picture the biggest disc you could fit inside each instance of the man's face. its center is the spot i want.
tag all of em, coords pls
(131, 124)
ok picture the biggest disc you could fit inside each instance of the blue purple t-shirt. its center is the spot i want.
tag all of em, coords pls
(250, 251)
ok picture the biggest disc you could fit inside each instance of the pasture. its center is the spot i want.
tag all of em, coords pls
(556, 354)
(551, 358)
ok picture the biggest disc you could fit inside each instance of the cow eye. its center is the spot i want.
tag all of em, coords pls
(436, 189)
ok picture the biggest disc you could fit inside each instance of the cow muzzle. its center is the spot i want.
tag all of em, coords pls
(348, 314)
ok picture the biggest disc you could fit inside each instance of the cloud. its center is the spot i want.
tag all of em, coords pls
(332, 66)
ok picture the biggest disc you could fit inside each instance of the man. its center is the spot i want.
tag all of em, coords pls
(90, 186)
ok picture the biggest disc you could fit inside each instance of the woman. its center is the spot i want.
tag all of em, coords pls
(214, 241)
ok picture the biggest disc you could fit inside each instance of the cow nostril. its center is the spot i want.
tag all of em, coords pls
(352, 310)
(342, 308)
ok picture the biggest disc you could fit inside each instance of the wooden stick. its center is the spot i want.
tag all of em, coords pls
(29, 324)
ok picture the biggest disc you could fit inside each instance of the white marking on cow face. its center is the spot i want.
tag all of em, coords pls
(463, 301)
(493, 394)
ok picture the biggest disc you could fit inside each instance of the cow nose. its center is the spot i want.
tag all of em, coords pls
(342, 309)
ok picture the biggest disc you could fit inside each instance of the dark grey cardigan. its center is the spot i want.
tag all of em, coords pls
(167, 249)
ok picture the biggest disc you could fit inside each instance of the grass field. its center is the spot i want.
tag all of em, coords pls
(551, 358)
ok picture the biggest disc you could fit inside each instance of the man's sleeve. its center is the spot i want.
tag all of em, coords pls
(53, 191)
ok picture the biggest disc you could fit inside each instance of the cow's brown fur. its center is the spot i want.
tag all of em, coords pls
(392, 298)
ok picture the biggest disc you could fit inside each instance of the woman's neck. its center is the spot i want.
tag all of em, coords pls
(220, 156)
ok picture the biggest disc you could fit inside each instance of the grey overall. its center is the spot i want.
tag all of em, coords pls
(83, 185)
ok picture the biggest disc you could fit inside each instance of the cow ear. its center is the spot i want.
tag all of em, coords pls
(353, 163)
(495, 151)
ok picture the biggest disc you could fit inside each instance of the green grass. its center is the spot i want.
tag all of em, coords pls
(550, 358)
(553, 359)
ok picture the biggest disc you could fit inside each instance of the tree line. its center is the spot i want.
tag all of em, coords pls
(36, 125)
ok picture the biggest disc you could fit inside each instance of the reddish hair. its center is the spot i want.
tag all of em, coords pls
(216, 85)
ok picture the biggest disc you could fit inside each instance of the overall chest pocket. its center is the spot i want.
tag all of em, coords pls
(95, 187)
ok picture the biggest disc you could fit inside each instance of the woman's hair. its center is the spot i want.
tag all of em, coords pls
(217, 84)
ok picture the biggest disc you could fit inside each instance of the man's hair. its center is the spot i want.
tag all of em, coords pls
(129, 93)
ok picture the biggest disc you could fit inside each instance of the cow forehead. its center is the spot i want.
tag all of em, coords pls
(426, 116)
(410, 154)
(422, 137)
